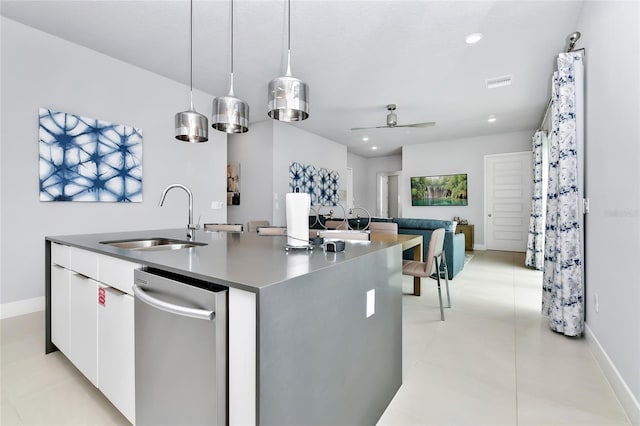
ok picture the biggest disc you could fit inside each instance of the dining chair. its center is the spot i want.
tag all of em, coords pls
(383, 228)
(253, 225)
(224, 227)
(432, 265)
(336, 224)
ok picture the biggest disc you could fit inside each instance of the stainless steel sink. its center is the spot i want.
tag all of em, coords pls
(152, 244)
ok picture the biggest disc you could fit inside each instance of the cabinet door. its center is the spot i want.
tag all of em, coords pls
(60, 308)
(116, 358)
(83, 325)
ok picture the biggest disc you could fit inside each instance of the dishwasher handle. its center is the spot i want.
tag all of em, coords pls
(172, 308)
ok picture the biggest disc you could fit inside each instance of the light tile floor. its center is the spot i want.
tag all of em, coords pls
(492, 362)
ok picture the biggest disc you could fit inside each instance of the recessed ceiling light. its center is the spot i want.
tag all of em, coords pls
(492, 118)
(365, 138)
(473, 38)
(374, 147)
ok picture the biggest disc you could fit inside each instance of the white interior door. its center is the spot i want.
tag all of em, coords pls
(383, 196)
(508, 182)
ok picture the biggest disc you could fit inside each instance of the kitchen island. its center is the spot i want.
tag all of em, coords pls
(309, 341)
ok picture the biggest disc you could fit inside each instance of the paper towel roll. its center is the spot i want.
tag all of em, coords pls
(298, 204)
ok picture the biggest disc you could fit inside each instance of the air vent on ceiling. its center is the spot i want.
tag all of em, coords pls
(505, 80)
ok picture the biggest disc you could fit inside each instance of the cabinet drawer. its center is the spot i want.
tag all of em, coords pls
(117, 273)
(60, 254)
(84, 262)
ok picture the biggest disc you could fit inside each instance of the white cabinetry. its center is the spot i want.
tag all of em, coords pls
(92, 320)
(83, 325)
(116, 378)
(60, 296)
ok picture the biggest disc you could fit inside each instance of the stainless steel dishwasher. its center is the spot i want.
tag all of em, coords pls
(181, 350)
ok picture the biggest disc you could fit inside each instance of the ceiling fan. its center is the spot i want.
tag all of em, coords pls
(392, 121)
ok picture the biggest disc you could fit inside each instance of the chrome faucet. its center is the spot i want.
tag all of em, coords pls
(190, 225)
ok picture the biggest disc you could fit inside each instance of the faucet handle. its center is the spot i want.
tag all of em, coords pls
(195, 226)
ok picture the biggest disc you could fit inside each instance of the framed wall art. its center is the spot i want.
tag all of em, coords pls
(441, 190)
(86, 159)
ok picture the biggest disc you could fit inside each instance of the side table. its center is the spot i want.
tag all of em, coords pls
(468, 231)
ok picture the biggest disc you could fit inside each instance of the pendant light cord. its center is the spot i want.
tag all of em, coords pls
(288, 38)
(231, 83)
(191, 52)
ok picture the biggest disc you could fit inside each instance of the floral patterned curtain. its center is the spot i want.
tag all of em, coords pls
(535, 240)
(562, 288)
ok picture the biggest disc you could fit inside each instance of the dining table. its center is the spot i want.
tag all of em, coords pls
(409, 242)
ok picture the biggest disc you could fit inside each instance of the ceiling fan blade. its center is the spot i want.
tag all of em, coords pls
(362, 128)
(425, 124)
(368, 128)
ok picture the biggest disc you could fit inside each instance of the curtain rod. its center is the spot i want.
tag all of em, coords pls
(573, 38)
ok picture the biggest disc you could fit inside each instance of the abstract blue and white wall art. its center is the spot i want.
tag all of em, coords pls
(321, 184)
(85, 159)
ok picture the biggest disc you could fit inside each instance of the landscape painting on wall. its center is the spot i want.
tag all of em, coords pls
(444, 190)
(85, 159)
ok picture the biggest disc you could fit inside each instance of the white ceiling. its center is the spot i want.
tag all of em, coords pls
(356, 57)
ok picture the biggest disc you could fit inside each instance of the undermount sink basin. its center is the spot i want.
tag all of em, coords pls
(152, 244)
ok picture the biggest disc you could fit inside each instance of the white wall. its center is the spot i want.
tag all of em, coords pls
(391, 163)
(452, 157)
(610, 34)
(39, 70)
(264, 154)
(254, 151)
(293, 144)
(361, 184)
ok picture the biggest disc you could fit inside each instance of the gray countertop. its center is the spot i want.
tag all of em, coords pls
(245, 260)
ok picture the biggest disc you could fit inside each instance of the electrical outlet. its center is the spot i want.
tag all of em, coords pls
(597, 305)
(371, 302)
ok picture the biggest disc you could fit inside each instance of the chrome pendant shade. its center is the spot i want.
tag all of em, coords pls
(288, 99)
(191, 126)
(288, 96)
(230, 114)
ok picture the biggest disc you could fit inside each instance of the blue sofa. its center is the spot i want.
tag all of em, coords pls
(453, 243)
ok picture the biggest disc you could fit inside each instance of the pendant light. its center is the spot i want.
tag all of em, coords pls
(230, 114)
(288, 96)
(191, 126)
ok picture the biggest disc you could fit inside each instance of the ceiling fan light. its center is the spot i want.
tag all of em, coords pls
(191, 126)
(230, 114)
(288, 99)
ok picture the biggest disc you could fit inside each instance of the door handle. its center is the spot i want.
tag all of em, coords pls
(489, 215)
(184, 311)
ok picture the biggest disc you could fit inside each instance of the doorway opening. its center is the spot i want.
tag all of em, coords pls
(389, 202)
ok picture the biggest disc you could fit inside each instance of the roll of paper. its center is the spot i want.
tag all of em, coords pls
(298, 205)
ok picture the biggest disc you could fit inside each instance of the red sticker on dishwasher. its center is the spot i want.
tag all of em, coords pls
(102, 295)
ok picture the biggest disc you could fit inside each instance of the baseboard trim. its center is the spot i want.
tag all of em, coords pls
(480, 247)
(21, 307)
(627, 399)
